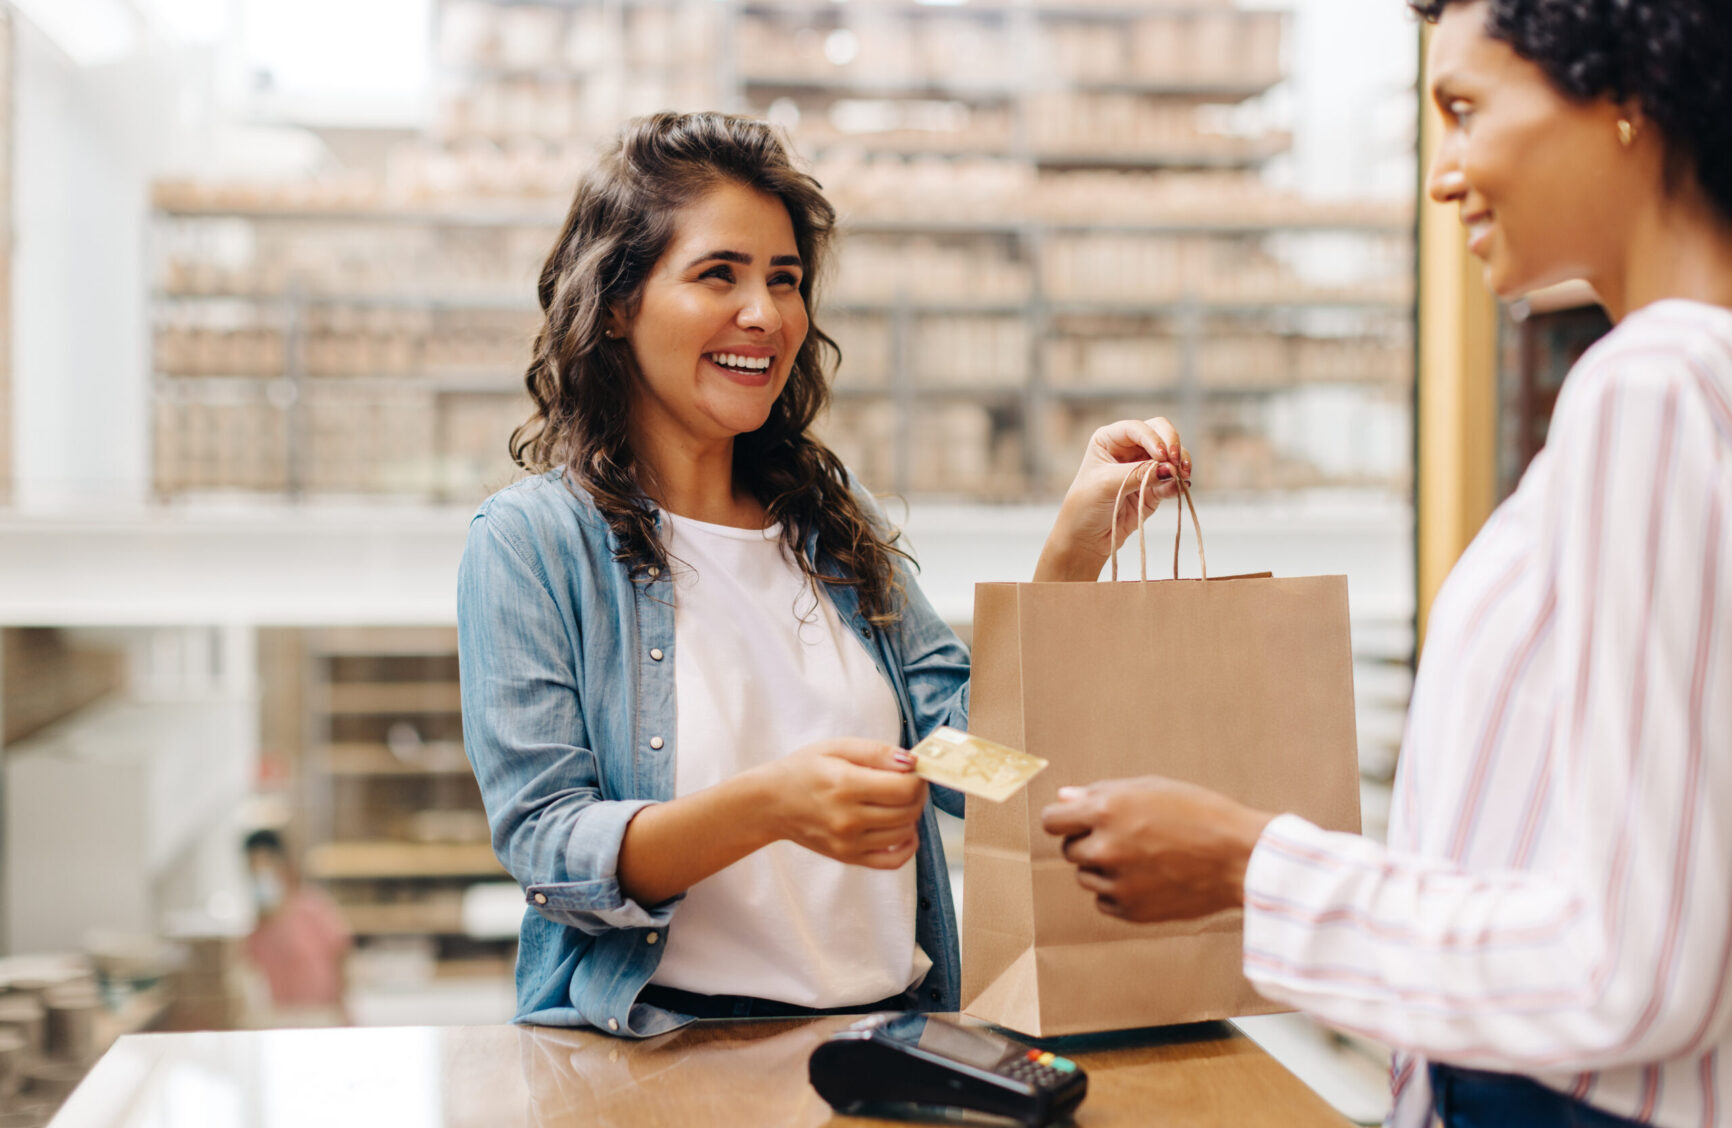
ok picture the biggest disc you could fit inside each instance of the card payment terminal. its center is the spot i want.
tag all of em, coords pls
(921, 1059)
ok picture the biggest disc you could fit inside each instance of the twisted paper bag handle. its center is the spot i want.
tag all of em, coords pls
(1184, 499)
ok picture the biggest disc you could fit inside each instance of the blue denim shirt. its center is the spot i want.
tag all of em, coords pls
(569, 721)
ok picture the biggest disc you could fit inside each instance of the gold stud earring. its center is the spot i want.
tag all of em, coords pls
(1626, 132)
(608, 333)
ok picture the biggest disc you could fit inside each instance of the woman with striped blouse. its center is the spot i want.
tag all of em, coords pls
(1547, 937)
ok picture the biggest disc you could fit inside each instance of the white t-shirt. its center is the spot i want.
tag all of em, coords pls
(763, 666)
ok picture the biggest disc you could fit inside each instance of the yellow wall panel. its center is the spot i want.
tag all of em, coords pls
(1457, 399)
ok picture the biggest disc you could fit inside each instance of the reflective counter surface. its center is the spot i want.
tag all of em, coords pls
(714, 1073)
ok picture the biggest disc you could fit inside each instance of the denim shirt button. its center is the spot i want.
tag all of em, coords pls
(541, 898)
(652, 938)
(656, 742)
(656, 653)
(865, 632)
(654, 571)
(925, 904)
(613, 1024)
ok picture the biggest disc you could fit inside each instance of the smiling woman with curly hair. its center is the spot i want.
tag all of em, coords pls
(692, 651)
(1546, 938)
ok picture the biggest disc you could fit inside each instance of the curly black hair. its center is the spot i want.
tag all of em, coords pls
(1667, 56)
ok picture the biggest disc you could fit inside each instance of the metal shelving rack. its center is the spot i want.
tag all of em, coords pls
(898, 395)
(392, 819)
(1039, 409)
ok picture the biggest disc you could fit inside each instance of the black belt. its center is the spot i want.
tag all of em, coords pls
(748, 1006)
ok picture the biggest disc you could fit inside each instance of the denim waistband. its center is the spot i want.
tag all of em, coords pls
(748, 1006)
(1472, 1098)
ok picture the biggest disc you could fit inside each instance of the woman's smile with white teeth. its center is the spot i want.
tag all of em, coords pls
(731, 360)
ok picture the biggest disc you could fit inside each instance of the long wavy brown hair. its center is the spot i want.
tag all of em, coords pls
(621, 220)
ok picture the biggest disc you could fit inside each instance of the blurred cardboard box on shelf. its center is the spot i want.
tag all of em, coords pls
(369, 441)
(864, 339)
(1249, 361)
(1097, 362)
(205, 443)
(207, 991)
(955, 448)
(863, 435)
(527, 36)
(916, 269)
(474, 433)
(970, 352)
(1094, 52)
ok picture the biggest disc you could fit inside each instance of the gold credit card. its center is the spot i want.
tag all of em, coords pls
(952, 758)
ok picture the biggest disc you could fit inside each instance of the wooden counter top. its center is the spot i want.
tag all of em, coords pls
(710, 1074)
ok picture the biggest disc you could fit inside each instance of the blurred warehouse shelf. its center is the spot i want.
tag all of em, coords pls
(1054, 216)
(390, 817)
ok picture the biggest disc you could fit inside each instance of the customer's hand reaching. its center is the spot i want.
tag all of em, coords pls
(1156, 849)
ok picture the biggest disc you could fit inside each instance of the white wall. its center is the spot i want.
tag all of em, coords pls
(1354, 64)
(89, 141)
(125, 817)
(399, 566)
(80, 376)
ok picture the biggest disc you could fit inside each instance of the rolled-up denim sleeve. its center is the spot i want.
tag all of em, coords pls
(935, 663)
(935, 667)
(524, 732)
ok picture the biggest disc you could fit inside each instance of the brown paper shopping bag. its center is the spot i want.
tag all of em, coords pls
(1243, 685)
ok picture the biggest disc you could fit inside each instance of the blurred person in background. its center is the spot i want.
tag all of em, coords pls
(691, 649)
(300, 942)
(1547, 938)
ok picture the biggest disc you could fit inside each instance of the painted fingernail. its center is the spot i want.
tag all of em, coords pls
(906, 759)
(1069, 793)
